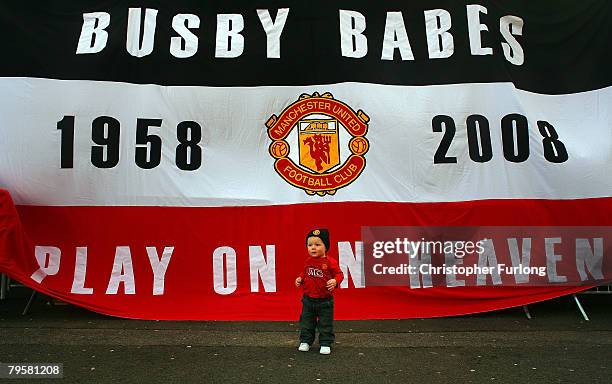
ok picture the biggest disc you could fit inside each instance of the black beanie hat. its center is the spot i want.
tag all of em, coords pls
(322, 234)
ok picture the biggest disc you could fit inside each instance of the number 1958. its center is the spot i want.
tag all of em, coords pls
(105, 135)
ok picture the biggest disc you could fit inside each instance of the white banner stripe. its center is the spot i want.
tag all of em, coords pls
(238, 170)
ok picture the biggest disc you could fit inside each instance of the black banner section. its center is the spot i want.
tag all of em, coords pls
(551, 47)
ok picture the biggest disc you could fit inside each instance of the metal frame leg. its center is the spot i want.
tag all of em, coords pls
(584, 315)
(3, 286)
(29, 304)
(526, 310)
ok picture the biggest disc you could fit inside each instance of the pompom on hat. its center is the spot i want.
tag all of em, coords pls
(322, 234)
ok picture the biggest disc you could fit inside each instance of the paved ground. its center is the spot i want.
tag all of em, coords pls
(556, 346)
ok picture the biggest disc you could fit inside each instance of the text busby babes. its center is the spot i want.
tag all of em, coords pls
(354, 42)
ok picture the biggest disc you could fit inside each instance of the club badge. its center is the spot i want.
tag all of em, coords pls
(319, 143)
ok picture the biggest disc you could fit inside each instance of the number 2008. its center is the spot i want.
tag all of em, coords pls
(515, 139)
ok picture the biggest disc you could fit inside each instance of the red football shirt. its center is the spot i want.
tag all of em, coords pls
(317, 271)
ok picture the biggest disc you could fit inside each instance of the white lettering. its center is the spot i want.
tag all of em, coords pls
(48, 259)
(264, 267)
(230, 43)
(396, 37)
(353, 42)
(422, 263)
(509, 26)
(440, 42)
(123, 272)
(159, 267)
(487, 264)
(80, 271)
(517, 260)
(273, 29)
(475, 28)
(93, 37)
(351, 263)
(181, 23)
(224, 269)
(552, 259)
(133, 32)
(593, 259)
(451, 277)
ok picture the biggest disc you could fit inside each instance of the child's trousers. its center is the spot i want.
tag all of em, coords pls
(317, 313)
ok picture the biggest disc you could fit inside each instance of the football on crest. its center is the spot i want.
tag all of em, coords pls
(279, 149)
(359, 145)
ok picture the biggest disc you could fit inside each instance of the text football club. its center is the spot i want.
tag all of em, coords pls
(326, 149)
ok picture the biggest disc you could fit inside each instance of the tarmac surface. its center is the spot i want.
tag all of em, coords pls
(555, 346)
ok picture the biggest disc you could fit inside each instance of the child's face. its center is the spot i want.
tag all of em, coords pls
(315, 246)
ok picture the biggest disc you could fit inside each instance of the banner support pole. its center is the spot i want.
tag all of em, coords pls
(29, 304)
(584, 315)
(3, 286)
(526, 310)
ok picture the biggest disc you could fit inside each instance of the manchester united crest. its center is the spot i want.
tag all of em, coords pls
(319, 143)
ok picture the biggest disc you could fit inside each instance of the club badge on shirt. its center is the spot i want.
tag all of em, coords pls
(315, 272)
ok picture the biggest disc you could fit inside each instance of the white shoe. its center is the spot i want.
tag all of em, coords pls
(304, 347)
(325, 350)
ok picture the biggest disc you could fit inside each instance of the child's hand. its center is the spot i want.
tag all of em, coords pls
(331, 284)
(298, 281)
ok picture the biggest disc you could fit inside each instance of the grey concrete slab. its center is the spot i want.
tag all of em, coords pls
(556, 346)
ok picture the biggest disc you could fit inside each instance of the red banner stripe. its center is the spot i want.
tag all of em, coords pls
(196, 232)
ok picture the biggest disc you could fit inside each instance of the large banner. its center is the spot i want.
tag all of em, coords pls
(166, 160)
